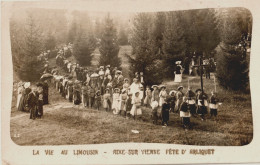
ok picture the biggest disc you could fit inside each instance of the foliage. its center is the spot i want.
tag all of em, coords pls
(26, 46)
(142, 58)
(109, 47)
(123, 39)
(173, 42)
(233, 66)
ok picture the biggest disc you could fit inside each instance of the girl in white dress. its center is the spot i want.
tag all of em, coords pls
(136, 108)
(116, 100)
(122, 104)
(162, 95)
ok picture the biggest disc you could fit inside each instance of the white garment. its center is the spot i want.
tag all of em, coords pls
(136, 108)
(135, 87)
(184, 114)
(213, 106)
(178, 78)
(19, 95)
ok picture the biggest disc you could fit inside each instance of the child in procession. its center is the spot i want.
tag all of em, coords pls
(136, 108)
(202, 103)
(122, 103)
(128, 104)
(155, 103)
(165, 112)
(190, 95)
(172, 100)
(98, 99)
(39, 94)
(148, 97)
(115, 104)
(185, 113)
(106, 101)
(213, 105)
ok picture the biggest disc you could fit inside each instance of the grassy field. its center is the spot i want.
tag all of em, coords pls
(65, 124)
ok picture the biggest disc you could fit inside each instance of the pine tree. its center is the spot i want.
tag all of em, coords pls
(173, 42)
(109, 47)
(83, 47)
(26, 49)
(232, 64)
(200, 31)
(142, 59)
(157, 31)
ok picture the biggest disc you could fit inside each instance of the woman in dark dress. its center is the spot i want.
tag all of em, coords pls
(45, 92)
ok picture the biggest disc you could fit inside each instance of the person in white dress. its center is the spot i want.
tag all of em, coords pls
(136, 108)
(116, 100)
(122, 103)
(163, 94)
(178, 72)
(135, 86)
(19, 93)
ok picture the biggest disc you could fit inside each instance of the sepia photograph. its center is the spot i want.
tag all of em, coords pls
(171, 77)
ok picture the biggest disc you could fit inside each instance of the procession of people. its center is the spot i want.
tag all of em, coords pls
(106, 88)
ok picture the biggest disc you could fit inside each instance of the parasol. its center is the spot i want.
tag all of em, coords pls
(94, 75)
(46, 76)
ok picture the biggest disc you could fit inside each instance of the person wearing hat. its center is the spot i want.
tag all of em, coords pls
(155, 104)
(76, 93)
(163, 94)
(185, 113)
(178, 73)
(141, 93)
(101, 71)
(107, 72)
(115, 104)
(126, 84)
(166, 112)
(27, 90)
(136, 108)
(20, 97)
(85, 96)
(148, 97)
(98, 99)
(213, 105)
(91, 93)
(120, 80)
(128, 105)
(39, 94)
(19, 93)
(114, 72)
(45, 92)
(32, 102)
(107, 100)
(191, 96)
(179, 98)
(172, 100)
(135, 86)
(122, 103)
(201, 100)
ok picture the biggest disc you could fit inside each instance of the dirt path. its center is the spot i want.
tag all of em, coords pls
(48, 108)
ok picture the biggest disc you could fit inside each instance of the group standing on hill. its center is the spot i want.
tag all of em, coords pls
(106, 88)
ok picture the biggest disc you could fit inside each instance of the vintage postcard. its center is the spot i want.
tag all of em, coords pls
(130, 82)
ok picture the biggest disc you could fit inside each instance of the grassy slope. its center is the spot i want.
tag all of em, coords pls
(64, 124)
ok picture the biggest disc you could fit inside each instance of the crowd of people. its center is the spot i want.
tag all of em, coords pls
(32, 98)
(106, 88)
